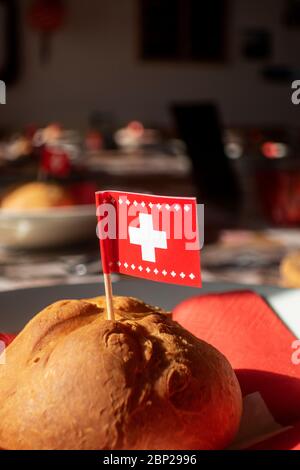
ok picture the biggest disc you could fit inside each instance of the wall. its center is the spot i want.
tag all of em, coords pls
(94, 66)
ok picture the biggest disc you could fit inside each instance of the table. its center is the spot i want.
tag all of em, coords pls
(239, 256)
(18, 307)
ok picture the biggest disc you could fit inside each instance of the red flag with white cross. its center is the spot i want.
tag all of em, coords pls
(151, 237)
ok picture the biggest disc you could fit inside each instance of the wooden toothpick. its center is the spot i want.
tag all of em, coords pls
(109, 297)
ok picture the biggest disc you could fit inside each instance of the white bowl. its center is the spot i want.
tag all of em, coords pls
(47, 228)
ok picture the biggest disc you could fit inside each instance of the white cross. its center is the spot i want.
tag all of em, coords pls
(148, 238)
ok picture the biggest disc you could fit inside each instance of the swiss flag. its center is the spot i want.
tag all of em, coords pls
(55, 161)
(152, 237)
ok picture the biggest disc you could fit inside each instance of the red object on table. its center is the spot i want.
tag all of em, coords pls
(259, 347)
(56, 162)
(94, 141)
(279, 192)
(83, 193)
(139, 236)
(256, 342)
(288, 440)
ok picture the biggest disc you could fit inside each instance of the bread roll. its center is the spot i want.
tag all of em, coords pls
(36, 196)
(74, 380)
(290, 270)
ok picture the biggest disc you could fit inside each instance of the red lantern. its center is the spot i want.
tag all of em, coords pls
(46, 17)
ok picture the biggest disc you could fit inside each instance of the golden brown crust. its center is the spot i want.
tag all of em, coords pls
(74, 380)
(36, 195)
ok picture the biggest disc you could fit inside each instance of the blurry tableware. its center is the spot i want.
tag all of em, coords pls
(279, 192)
(115, 163)
(47, 228)
(134, 137)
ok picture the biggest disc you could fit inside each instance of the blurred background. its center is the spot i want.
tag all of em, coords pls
(175, 97)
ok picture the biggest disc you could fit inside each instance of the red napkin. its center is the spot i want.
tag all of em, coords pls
(257, 344)
(288, 440)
